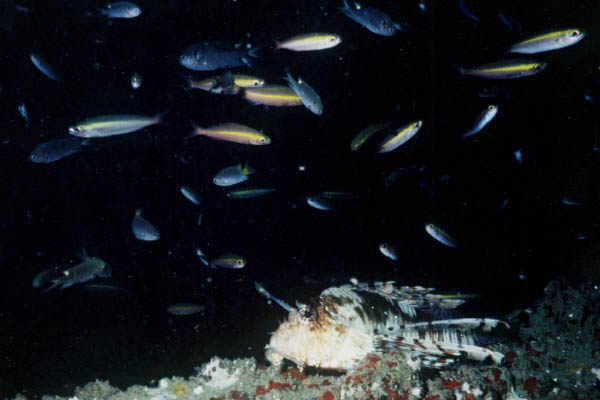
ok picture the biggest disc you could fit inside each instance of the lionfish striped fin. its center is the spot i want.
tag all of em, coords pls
(439, 349)
(486, 324)
(409, 296)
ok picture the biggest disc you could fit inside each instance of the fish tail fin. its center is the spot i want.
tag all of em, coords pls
(83, 254)
(194, 131)
(344, 8)
(247, 169)
(277, 45)
(467, 134)
(187, 82)
(249, 63)
(160, 117)
(55, 283)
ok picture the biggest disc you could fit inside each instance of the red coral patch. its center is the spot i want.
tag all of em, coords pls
(530, 386)
(294, 373)
(450, 384)
(326, 396)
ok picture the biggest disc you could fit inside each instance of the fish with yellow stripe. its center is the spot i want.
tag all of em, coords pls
(309, 42)
(110, 125)
(232, 132)
(272, 95)
(400, 136)
(548, 41)
(506, 69)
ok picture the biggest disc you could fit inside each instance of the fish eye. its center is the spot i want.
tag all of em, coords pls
(575, 33)
(491, 108)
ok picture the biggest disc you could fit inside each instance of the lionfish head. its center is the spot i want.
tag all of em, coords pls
(296, 338)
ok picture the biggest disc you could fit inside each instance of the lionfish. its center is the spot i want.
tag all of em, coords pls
(345, 324)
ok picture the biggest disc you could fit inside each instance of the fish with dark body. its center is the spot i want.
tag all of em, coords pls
(56, 149)
(121, 9)
(213, 55)
(87, 270)
(371, 18)
(345, 324)
(44, 67)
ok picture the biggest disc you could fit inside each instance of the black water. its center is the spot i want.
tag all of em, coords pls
(50, 343)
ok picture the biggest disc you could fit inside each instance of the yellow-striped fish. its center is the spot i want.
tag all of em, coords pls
(309, 42)
(272, 95)
(365, 134)
(505, 69)
(211, 84)
(548, 41)
(109, 125)
(232, 132)
(246, 81)
(400, 136)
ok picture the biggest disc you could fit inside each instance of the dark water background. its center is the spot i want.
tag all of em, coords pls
(53, 342)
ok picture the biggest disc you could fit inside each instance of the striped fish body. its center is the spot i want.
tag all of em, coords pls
(110, 125)
(508, 69)
(347, 323)
(548, 41)
(272, 95)
(400, 136)
(234, 132)
(309, 42)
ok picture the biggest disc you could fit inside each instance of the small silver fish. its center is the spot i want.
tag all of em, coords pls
(213, 55)
(233, 175)
(519, 155)
(319, 203)
(136, 80)
(23, 111)
(56, 149)
(507, 69)
(185, 309)
(142, 229)
(110, 125)
(44, 67)
(191, 195)
(484, 118)
(309, 97)
(121, 9)
(371, 18)
(400, 136)
(439, 234)
(388, 251)
(231, 261)
(87, 270)
(549, 41)
(249, 193)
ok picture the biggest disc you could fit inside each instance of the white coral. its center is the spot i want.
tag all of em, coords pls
(219, 377)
